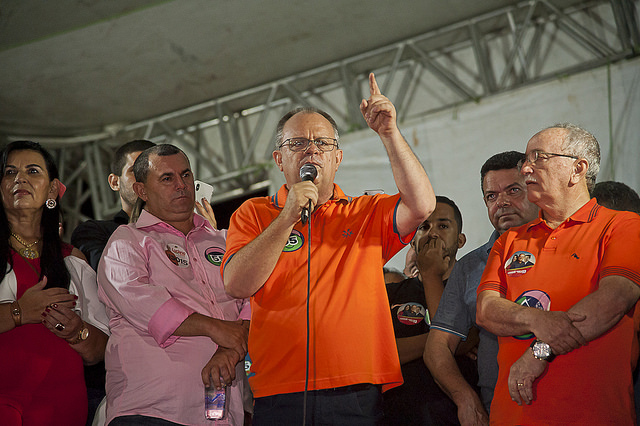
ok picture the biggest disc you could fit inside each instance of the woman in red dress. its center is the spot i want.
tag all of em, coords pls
(51, 321)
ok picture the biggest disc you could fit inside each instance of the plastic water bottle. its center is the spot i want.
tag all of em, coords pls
(215, 403)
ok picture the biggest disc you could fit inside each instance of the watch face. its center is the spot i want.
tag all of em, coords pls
(84, 333)
(541, 349)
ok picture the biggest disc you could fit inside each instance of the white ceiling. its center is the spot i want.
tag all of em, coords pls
(70, 67)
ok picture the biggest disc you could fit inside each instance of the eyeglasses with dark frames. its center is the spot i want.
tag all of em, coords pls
(537, 154)
(302, 144)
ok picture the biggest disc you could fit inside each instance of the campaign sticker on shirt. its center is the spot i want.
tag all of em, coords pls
(519, 263)
(247, 366)
(295, 242)
(533, 299)
(177, 255)
(214, 255)
(412, 313)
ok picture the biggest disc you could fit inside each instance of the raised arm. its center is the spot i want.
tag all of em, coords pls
(433, 265)
(417, 196)
(205, 210)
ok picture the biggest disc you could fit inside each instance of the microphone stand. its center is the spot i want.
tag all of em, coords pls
(306, 379)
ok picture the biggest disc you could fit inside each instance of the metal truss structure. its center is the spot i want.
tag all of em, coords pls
(229, 140)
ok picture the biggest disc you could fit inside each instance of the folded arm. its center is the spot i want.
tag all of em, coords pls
(220, 371)
(603, 308)
(503, 317)
(228, 334)
(601, 311)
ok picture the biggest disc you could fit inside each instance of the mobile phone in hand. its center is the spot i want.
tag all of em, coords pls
(203, 190)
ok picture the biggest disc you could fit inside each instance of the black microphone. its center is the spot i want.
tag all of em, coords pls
(307, 172)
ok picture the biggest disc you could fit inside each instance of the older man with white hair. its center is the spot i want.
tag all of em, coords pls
(566, 323)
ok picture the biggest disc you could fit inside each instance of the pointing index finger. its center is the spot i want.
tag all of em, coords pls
(373, 85)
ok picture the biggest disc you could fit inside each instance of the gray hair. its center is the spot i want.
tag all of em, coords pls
(303, 110)
(582, 144)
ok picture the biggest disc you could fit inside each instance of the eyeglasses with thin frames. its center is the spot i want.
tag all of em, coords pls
(536, 154)
(302, 144)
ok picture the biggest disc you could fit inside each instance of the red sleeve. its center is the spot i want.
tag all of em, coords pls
(622, 247)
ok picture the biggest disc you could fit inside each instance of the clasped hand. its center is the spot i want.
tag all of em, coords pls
(232, 335)
(557, 329)
(62, 321)
(220, 371)
(231, 338)
(37, 299)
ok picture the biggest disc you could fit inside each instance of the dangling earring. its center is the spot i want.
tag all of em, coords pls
(51, 203)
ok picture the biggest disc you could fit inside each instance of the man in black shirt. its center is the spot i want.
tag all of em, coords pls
(419, 400)
(91, 236)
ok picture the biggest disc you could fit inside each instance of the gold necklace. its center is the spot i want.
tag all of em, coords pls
(27, 251)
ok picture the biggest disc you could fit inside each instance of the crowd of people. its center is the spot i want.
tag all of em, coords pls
(133, 321)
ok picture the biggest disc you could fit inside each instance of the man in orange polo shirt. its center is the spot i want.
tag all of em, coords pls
(566, 320)
(338, 343)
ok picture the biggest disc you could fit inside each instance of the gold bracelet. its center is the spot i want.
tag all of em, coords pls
(16, 313)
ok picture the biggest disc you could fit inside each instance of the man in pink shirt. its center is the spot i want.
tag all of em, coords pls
(173, 326)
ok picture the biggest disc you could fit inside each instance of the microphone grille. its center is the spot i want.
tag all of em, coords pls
(308, 172)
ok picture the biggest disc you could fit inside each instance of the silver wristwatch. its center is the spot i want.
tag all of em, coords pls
(542, 350)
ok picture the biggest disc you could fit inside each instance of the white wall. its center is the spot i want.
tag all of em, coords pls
(453, 145)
